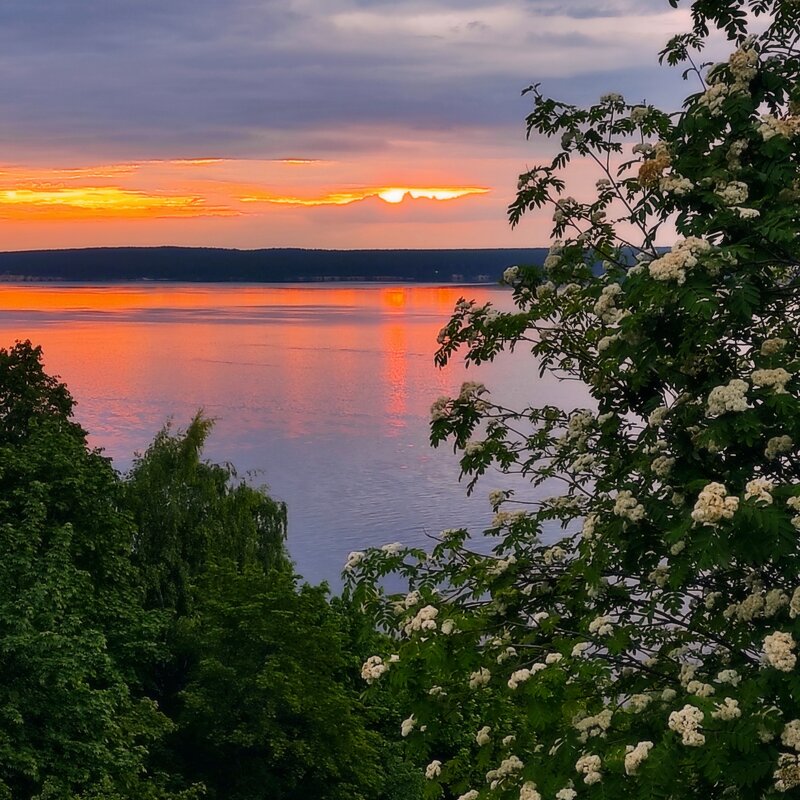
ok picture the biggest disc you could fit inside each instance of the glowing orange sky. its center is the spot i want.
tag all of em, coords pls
(293, 201)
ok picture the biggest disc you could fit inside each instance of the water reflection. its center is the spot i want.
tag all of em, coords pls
(324, 390)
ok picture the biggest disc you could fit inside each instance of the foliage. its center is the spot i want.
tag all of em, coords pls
(190, 512)
(267, 711)
(73, 633)
(650, 651)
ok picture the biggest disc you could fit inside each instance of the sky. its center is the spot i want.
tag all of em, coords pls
(302, 123)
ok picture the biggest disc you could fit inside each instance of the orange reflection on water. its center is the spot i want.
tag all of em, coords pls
(308, 358)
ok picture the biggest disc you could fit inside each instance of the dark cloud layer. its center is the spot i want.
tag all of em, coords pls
(149, 78)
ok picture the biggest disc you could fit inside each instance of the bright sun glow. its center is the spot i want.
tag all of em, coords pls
(390, 194)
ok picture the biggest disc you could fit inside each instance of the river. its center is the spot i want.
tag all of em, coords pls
(322, 392)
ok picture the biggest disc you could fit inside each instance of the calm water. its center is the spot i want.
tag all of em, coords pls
(323, 391)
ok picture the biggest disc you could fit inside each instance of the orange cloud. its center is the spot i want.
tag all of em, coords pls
(101, 201)
(389, 194)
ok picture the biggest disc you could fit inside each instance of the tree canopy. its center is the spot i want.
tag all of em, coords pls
(649, 648)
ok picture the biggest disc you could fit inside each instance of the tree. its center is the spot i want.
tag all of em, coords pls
(73, 633)
(650, 651)
(190, 513)
(268, 709)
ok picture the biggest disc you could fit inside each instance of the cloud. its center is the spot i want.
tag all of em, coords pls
(152, 79)
(389, 194)
(107, 202)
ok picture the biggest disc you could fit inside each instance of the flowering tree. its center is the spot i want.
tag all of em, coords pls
(649, 650)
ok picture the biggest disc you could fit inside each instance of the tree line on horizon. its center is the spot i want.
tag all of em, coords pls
(276, 265)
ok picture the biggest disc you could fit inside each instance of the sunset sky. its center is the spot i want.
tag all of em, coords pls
(310, 123)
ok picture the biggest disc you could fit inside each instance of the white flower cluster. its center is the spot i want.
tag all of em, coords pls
(732, 194)
(638, 703)
(732, 397)
(373, 668)
(746, 213)
(771, 126)
(483, 736)
(791, 735)
(578, 426)
(729, 676)
(408, 725)
(727, 710)
(440, 409)
(699, 689)
(778, 445)
(433, 770)
(759, 490)
(479, 678)
(511, 275)
(675, 184)
(714, 504)
(734, 154)
(659, 576)
(772, 378)
(657, 416)
(567, 793)
(596, 725)
(472, 794)
(683, 256)
(778, 653)
(634, 756)
(499, 565)
(354, 559)
(528, 791)
(628, 507)
(662, 466)
(423, 620)
(589, 766)
(601, 626)
(771, 347)
(742, 65)
(470, 391)
(794, 504)
(687, 722)
(508, 767)
(787, 776)
(605, 307)
(757, 605)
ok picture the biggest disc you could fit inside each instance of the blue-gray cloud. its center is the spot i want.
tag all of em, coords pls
(149, 78)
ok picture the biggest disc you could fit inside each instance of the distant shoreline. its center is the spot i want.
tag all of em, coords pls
(273, 265)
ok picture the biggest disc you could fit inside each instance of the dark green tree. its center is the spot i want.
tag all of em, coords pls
(190, 512)
(73, 632)
(269, 709)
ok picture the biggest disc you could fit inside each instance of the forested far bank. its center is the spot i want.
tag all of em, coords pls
(274, 265)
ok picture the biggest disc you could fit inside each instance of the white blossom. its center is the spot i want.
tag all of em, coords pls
(479, 678)
(354, 559)
(433, 770)
(682, 257)
(727, 710)
(373, 668)
(634, 756)
(772, 379)
(732, 397)
(687, 722)
(778, 653)
(628, 507)
(771, 347)
(589, 766)
(778, 445)
(482, 737)
(713, 505)
(408, 725)
(759, 490)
